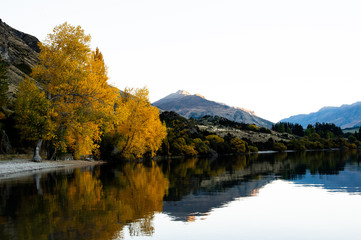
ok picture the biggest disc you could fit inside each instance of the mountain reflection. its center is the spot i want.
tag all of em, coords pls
(199, 185)
(98, 203)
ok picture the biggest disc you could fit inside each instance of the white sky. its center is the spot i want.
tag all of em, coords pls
(277, 58)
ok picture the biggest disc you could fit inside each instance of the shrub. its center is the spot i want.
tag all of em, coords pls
(252, 149)
(280, 147)
(252, 127)
(238, 145)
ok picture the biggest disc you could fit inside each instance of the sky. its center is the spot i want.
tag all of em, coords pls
(275, 57)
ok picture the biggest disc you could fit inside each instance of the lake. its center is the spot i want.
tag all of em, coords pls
(307, 195)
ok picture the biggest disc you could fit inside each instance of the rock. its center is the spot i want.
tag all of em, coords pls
(65, 157)
(19, 51)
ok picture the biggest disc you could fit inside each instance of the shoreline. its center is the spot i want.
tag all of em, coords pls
(22, 167)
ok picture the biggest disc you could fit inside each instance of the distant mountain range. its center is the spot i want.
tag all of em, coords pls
(346, 116)
(196, 106)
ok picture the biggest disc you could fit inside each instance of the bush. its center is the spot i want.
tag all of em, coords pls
(252, 127)
(238, 145)
(201, 146)
(252, 149)
(296, 145)
(280, 147)
(264, 130)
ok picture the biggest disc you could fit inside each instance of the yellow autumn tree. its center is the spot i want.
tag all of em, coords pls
(81, 105)
(33, 114)
(74, 80)
(137, 123)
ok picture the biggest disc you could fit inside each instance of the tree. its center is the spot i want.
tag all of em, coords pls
(201, 146)
(138, 124)
(280, 147)
(33, 114)
(238, 145)
(74, 81)
(309, 130)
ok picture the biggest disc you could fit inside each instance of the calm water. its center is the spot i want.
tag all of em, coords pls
(314, 195)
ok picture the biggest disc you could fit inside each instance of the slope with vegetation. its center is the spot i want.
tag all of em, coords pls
(318, 136)
(211, 135)
(65, 105)
(205, 136)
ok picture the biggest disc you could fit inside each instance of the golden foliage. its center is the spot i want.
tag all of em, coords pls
(76, 105)
(75, 81)
(33, 111)
(238, 145)
(138, 123)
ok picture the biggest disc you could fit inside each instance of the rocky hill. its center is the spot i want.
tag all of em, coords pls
(346, 116)
(196, 106)
(20, 53)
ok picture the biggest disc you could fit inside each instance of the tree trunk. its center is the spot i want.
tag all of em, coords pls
(37, 157)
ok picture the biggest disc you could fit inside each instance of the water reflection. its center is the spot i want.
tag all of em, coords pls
(243, 176)
(98, 203)
(81, 206)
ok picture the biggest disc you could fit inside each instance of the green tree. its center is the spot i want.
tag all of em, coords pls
(352, 139)
(215, 142)
(201, 146)
(309, 130)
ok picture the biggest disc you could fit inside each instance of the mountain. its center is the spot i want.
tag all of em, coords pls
(197, 106)
(20, 53)
(346, 116)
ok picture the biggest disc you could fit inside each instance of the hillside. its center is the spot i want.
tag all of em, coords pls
(221, 127)
(345, 116)
(198, 134)
(196, 106)
(19, 51)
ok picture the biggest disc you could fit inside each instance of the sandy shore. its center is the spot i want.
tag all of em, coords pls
(12, 168)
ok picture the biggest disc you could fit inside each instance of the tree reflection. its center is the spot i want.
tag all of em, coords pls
(81, 207)
(322, 162)
(187, 175)
(99, 203)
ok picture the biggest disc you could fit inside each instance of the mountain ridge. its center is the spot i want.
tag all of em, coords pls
(196, 106)
(345, 116)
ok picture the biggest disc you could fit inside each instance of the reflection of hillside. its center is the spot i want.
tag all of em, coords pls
(243, 177)
(218, 184)
(98, 203)
(202, 202)
(348, 180)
